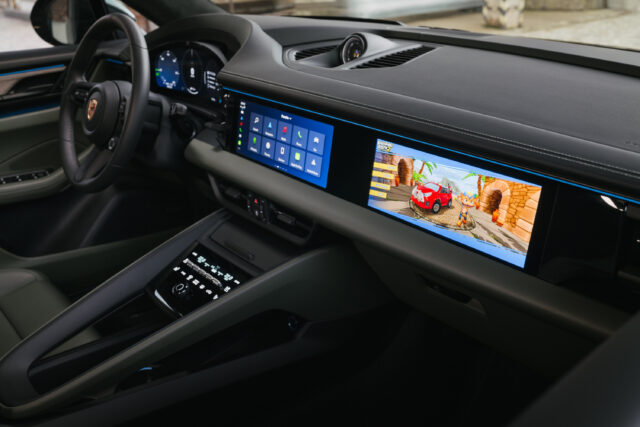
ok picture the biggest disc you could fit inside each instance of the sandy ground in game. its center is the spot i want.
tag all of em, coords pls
(483, 228)
(447, 217)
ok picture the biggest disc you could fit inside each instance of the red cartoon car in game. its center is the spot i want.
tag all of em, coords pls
(431, 196)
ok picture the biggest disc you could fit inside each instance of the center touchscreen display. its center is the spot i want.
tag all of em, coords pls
(291, 143)
(478, 208)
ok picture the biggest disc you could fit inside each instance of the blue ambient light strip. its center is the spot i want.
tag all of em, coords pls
(50, 67)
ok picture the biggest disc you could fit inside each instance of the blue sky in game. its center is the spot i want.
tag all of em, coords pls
(469, 185)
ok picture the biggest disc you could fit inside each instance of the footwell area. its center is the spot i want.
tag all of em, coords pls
(403, 369)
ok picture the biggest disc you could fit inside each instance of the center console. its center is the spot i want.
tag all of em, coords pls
(225, 297)
(227, 256)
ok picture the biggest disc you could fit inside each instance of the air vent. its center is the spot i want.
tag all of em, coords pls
(307, 53)
(395, 59)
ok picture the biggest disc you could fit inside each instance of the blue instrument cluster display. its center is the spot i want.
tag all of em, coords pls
(191, 70)
(288, 142)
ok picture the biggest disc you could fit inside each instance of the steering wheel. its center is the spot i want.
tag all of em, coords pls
(112, 112)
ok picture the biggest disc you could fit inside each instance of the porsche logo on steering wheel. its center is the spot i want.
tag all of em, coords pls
(91, 108)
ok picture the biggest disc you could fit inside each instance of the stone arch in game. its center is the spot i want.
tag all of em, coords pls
(494, 198)
(492, 192)
(405, 171)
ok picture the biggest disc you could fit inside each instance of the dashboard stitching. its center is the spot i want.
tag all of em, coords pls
(505, 141)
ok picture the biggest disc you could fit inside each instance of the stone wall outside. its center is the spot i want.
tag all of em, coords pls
(630, 5)
(565, 4)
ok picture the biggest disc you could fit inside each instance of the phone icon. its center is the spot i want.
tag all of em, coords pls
(300, 137)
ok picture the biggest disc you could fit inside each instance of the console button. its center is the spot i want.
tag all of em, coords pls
(284, 132)
(268, 148)
(316, 142)
(181, 290)
(256, 123)
(282, 153)
(254, 143)
(300, 137)
(249, 197)
(297, 159)
(269, 128)
(313, 165)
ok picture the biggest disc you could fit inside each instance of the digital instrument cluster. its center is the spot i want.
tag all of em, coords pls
(189, 69)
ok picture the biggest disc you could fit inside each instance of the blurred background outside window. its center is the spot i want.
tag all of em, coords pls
(613, 23)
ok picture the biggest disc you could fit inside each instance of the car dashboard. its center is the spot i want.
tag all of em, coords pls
(467, 169)
(365, 191)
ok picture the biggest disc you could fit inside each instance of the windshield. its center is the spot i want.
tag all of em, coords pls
(610, 23)
(431, 186)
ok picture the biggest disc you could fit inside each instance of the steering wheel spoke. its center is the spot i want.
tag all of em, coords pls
(78, 92)
(93, 164)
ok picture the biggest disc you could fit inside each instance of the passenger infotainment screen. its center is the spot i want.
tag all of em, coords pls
(481, 209)
(291, 143)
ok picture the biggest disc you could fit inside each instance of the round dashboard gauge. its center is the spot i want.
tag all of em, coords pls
(192, 72)
(214, 88)
(353, 48)
(167, 70)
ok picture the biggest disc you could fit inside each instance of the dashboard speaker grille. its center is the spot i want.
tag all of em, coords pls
(307, 53)
(395, 59)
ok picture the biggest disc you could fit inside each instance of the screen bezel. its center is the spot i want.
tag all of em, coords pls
(470, 168)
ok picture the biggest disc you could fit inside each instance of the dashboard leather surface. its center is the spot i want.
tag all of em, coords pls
(570, 122)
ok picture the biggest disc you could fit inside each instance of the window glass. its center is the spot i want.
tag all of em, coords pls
(611, 23)
(16, 32)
